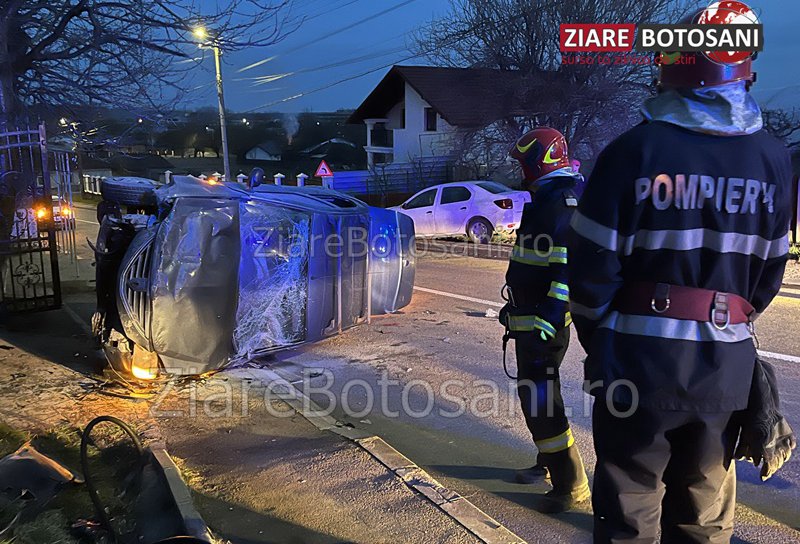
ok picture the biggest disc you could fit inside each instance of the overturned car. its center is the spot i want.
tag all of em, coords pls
(216, 273)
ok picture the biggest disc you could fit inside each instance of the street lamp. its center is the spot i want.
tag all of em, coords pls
(202, 34)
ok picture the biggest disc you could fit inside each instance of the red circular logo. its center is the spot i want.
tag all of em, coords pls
(728, 12)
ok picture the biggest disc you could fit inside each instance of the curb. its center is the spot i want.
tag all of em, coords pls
(455, 506)
(475, 520)
(84, 205)
(192, 521)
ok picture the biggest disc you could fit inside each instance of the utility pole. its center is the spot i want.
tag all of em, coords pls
(207, 38)
(222, 124)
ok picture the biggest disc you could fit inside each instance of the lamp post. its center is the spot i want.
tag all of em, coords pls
(202, 34)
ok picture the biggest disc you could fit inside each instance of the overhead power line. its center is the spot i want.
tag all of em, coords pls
(333, 84)
(262, 80)
(311, 42)
(349, 78)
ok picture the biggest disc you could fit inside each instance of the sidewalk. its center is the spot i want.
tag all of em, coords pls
(792, 275)
(262, 473)
(259, 472)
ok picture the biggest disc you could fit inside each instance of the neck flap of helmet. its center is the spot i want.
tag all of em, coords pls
(724, 110)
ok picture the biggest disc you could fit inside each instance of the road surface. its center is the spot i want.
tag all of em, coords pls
(430, 381)
(445, 336)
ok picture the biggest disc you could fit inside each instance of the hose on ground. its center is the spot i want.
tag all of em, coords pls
(95, 496)
(90, 484)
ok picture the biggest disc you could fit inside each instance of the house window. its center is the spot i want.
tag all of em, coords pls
(403, 118)
(430, 119)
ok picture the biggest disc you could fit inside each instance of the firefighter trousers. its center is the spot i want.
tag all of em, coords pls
(672, 470)
(539, 388)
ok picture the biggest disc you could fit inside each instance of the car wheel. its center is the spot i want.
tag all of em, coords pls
(479, 231)
(129, 191)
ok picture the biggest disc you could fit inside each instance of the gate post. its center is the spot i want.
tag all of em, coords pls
(51, 235)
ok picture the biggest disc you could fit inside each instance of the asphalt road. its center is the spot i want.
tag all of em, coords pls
(430, 381)
(439, 339)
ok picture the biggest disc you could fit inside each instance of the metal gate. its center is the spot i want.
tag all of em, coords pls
(29, 277)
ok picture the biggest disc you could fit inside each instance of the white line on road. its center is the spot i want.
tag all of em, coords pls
(766, 354)
(779, 356)
(85, 221)
(458, 297)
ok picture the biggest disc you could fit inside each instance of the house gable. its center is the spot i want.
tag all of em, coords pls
(464, 97)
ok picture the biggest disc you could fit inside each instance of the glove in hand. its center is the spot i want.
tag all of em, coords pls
(766, 437)
(774, 454)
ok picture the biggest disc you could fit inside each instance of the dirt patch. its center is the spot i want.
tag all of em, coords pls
(256, 476)
(109, 466)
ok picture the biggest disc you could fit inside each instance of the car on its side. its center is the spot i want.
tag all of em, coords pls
(219, 272)
(476, 209)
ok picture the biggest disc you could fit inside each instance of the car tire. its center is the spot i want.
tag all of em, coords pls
(479, 231)
(129, 191)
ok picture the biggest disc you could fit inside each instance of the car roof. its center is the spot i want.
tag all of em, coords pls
(468, 182)
(461, 184)
(307, 198)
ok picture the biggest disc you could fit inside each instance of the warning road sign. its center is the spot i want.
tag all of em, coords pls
(323, 170)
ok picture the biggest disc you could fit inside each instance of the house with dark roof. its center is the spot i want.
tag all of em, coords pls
(269, 150)
(415, 111)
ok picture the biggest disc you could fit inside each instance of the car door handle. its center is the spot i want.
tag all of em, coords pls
(428, 212)
(464, 208)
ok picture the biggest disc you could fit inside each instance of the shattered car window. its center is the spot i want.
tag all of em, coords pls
(273, 277)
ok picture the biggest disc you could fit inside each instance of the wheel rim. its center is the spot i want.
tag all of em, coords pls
(479, 231)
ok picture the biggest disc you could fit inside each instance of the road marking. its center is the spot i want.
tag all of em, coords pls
(766, 354)
(85, 221)
(458, 297)
(779, 356)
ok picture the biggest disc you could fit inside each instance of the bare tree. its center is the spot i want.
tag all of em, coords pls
(120, 53)
(783, 124)
(589, 103)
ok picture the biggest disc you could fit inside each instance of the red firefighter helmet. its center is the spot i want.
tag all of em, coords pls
(700, 70)
(541, 151)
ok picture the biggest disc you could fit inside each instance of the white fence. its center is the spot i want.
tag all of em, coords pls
(91, 184)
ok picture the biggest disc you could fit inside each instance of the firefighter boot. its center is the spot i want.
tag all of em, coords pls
(570, 484)
(532, 475)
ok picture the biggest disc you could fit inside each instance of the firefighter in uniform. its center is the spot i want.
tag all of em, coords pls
(679, 241)
(537, 314)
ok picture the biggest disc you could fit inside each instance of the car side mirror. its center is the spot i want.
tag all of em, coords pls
(404, 205)
(256, 178)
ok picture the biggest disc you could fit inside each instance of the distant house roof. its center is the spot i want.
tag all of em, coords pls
(139, 163)
(465, 97)
(328, 144)
(270, 147)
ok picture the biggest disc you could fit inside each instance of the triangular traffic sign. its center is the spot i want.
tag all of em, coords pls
(323, 170)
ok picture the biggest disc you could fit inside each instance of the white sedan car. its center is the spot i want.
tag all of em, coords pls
(475, 208)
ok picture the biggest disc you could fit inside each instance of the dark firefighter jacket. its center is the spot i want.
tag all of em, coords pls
(537, 271)
(665, 204)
